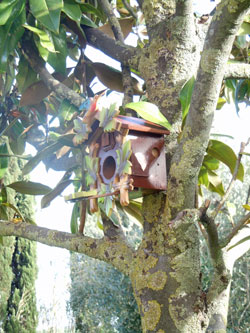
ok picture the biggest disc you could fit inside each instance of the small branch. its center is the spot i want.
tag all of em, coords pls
(237, 71)
(234, 177)
(115, 252)
(213, 238)
(242, 222)
(129, 8)
(116, 28)
(125, 54)
(37, 63)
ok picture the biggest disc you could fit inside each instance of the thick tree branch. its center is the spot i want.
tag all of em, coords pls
(190, 152)
(115, 252)
(184, 8)
(126, 54)
(37, 63)
(237, 71)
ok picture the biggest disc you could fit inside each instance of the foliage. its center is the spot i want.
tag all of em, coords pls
(18, 267)
(61, 117)
(101, 297)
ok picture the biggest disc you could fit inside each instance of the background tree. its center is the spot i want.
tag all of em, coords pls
(18, 260)
(165, 269)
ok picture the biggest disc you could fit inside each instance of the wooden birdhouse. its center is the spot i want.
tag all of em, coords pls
(148, 165)
(125, 153)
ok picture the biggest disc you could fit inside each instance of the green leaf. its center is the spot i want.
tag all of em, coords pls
(221, 101)
(87, 21)
(47, 12)
(89, 9)
(6, 7)
(74, 218)
(240, 242)
(60, 187)
(215, 183)
(28, 187)
(149, 112)
(9, 205)
(1, 240)
(40, 156)
(210, 162)
(67, 110)
(72, 10)
(203, 177)
(186, 95)
(247, 207)
(44, 38)
(226, 155)
(25, 76)
(11, 32)
(4, 161)
(244, 29)
(58, 59)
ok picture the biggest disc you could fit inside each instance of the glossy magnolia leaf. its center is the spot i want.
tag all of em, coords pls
(87, 21)
(203, 177)
(210, 162)
(25, 76)
(72, 10)
(47, 12)
(186, 95)
(17, 211)
(215, 183)
(242, 92)
(226, 155)
(87, 8)
(45, 40)
(126, 27)
(134, 209)
(6, 7)
(74, 218)
(28, 187)
(240, 242)
(58, 59)
(244, 29)
(149, 112)
(247, 207)
(10, 33)
(112, 78)
(40, 156)
(221, 101)
(4, 160)
(60, 187)
(37, 91)
(67, 110)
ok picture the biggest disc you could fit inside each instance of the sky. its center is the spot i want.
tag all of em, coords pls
(53, 278)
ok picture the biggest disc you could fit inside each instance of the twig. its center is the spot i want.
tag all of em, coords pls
(242, 222)
(234, 177)
(37, 63)
(129, 9)
(116, 28)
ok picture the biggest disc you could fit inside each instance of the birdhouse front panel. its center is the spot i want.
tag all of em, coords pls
(148, 165)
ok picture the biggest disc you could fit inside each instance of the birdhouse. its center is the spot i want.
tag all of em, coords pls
(148, 165)
(124, 153)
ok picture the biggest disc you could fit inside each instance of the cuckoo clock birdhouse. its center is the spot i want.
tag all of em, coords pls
(124, 154)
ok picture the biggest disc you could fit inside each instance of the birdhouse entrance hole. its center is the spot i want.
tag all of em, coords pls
(109, 167)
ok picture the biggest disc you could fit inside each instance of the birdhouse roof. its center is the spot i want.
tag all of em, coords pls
(141, 125)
